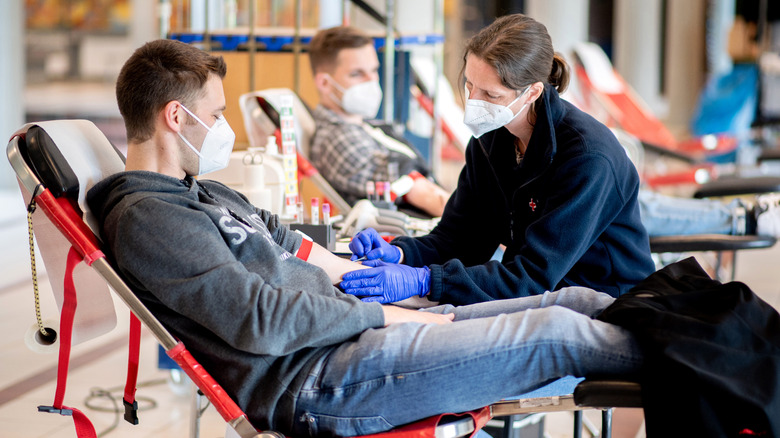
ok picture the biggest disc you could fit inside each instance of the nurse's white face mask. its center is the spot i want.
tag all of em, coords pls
(215, 152)
(481, 116)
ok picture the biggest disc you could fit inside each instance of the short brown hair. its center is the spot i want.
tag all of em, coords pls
(157, 73)
(325, 46)
(521, 51)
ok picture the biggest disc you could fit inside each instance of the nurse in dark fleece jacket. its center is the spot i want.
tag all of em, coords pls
(542, 178)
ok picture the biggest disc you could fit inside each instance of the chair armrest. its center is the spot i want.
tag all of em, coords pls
(709, 242)
(768, 155)
(608, 394)
(732, 186)
(665, 151)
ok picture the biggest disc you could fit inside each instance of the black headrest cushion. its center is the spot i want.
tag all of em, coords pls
(269, 111)
(49, 164)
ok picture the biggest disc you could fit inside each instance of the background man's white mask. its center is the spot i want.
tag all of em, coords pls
(363, 99)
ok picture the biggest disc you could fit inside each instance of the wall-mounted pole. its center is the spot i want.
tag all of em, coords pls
(297, 47)
(438, 61)
(389, 59)
(252, 45)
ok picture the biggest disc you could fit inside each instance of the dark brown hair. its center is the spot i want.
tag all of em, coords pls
(521, 51)
(325, 46)
(157, 73)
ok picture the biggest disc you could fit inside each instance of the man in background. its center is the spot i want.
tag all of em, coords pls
(346, 150)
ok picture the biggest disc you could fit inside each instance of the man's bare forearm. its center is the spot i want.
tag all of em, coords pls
(334, 265)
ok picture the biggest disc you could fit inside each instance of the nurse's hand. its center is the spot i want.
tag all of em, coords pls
(387, 283)
(369, 244)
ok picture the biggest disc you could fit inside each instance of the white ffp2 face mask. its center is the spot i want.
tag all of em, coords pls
(481, 116)
(362, 99)
(217, 145)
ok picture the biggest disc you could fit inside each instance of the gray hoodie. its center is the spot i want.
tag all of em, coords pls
(219, 274)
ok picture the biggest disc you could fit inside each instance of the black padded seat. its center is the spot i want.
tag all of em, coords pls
(733, 186)
(709, 242)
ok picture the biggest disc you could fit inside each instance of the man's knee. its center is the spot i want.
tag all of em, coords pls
(581, 299)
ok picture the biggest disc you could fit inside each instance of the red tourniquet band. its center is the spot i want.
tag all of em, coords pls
(415, 175)
(305, 249)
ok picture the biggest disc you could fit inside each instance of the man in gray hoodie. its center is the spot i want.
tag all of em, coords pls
(256, 304)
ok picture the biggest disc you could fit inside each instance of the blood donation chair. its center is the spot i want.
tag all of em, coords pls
(610, 99)
(56, 163)
(602, 92)
(261, 120)
(719, 244)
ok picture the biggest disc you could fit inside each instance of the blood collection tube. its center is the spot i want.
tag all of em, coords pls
(315, 211)
(299, 211)
(388, 198)
(370, 190)
(325, 213)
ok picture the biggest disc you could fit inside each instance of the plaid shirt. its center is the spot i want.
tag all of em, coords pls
(348, 156)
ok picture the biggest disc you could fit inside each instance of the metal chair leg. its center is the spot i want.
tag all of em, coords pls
(577, 424)
(509, 424)
(606, 423)
(195, 411)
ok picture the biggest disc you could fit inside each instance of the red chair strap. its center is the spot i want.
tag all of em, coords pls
(69, 303)
(131, 405)
(84, 428)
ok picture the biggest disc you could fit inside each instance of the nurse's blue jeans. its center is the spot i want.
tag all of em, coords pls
(495, 350)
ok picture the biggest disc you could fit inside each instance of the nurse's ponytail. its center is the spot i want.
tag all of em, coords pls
(559, 75)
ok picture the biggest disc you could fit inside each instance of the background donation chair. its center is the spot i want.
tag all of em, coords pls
(57, 162)
(261, 120)
(692, 243)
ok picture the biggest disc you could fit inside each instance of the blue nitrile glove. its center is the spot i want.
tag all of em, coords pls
(370, 244)
(387, 282)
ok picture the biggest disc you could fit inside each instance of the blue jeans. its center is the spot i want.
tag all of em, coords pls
(494, 350)
(666, 215)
